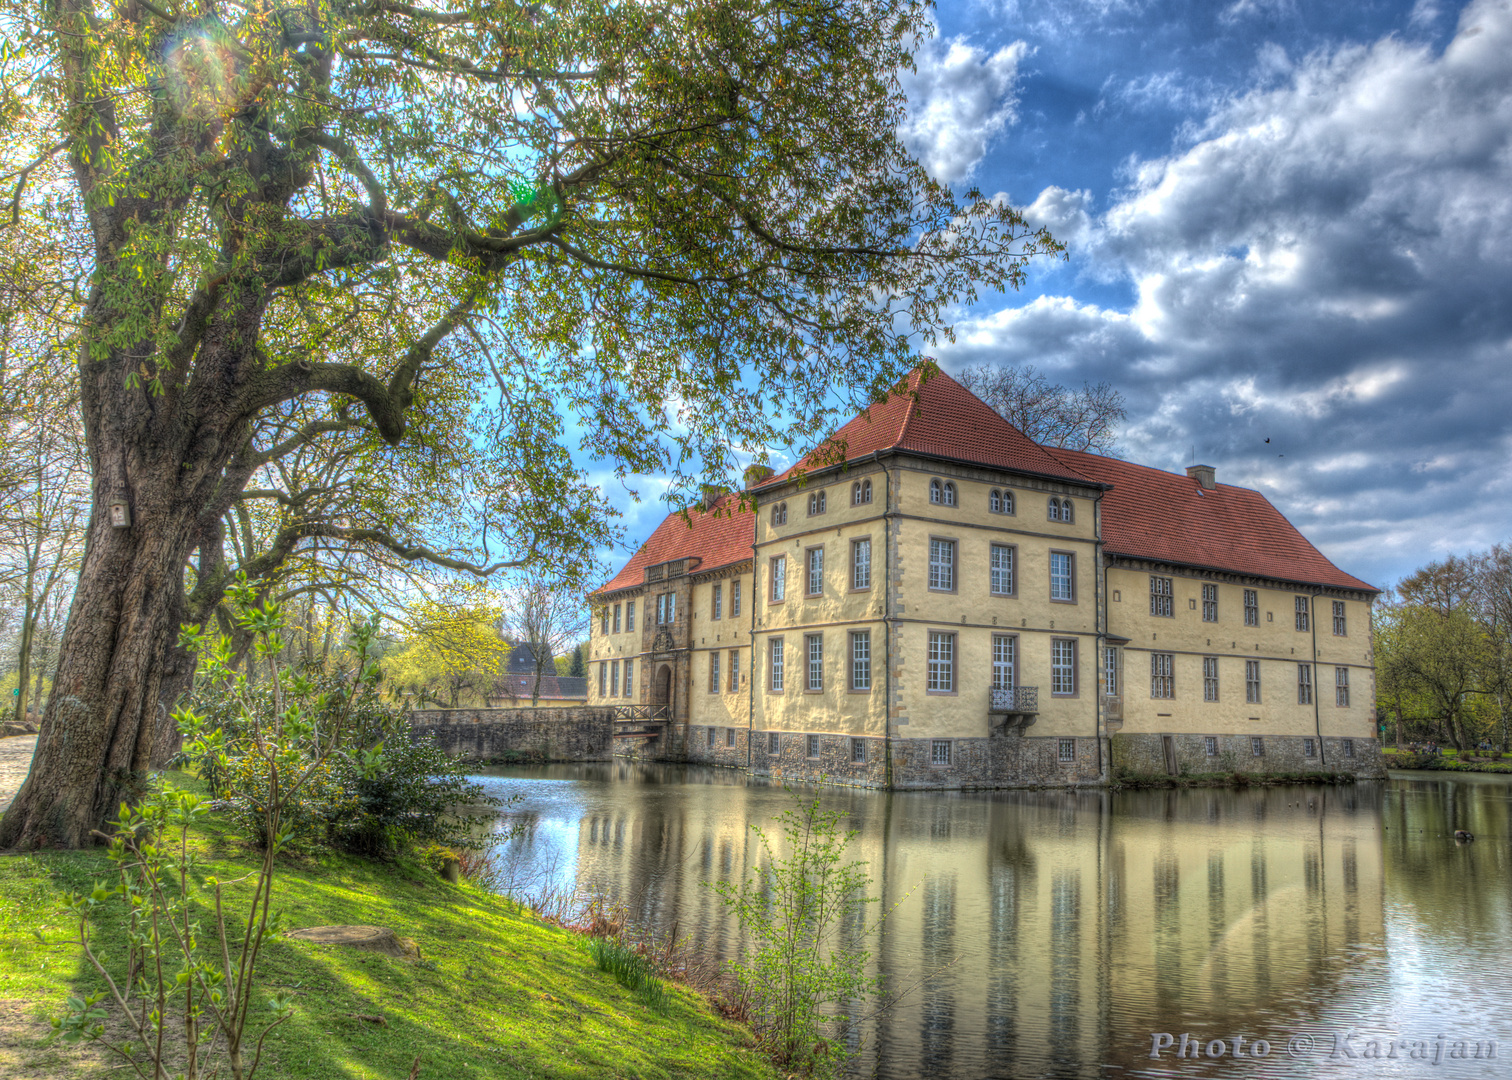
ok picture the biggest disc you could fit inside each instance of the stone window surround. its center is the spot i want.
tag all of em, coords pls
(955, 560)
(808, 571)
(855, 542)
(1013, 565)
(955, 677)
(808, 645)
(850, 681)
(1050, 579)
(1075, 668)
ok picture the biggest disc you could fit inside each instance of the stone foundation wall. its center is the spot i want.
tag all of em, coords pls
(579, 733)
(1142, 753)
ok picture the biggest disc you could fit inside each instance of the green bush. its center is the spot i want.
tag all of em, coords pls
(376, 793)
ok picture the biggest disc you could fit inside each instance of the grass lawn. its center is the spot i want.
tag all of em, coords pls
(496, 992)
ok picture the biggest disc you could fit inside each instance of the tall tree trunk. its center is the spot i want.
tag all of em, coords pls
(23, 660)
(95, 745)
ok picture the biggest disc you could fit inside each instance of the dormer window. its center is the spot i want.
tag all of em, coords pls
(1000, 502)
(816, 503)
(779, 514)
(860, 492)
(1060, 509)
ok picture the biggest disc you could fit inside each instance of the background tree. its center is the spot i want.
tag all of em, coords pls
(686, 229)
(1049, 413)
(452, 649)
(547, 619)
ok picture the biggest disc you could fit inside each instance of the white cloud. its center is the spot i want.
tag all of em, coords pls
(960, 98)
(1324, 262)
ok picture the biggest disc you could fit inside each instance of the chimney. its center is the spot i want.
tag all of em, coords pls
(710, 494)
(756, 474)
(1205, 475)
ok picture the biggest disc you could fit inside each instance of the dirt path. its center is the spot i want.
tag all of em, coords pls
(15, 760)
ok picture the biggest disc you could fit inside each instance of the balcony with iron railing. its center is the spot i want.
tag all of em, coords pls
(1022, 700)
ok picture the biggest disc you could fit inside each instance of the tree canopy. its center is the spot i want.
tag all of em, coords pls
(448, 244)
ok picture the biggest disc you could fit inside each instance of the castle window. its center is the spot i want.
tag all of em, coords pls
(940, 670)
(1209, 678)
(711, 735)
(1066, 751)
(614, 678)
(604, 679)
(813, 746)
(949, 494)
(858, 751)
(718, 611)
(939, 752)
(1251, 608)
(774, 742)
(1059, 509)
(816, 571)
(1162, 681)
(1210, 744)
(814, 643)
(861, 563)
(1304, 684)
(1110, 671)
(860, 660)
(1252, 682)
(775, 666)
(936, 492)
(861, 492)
(729, 736)
(604, 622)
(1348, 745)
(1302, 613)
(1160, 596)
(1210, 603)
(616, 618)
(1257, 746)
(1001, 570)
(1000, 502)
(714, 667)
(816, 503)
(1309, 748)
(1341, 628)
(1341, 687)
(630, 616)
(629, 678)
(1004, 652)
(779, 514)
(734, 599)
(1063, 667)
(734, 670)
(1063, 576)
(942, 565)
(779, 578)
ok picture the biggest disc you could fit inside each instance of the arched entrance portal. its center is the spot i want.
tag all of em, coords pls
(661, 687)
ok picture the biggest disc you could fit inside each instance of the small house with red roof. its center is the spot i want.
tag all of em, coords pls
(933, 599)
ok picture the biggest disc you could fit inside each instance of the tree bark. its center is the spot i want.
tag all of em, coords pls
(95, 745)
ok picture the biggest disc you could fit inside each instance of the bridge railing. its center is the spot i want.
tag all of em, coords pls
(626, 713)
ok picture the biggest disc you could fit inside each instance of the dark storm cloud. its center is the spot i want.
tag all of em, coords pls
(1325, 261)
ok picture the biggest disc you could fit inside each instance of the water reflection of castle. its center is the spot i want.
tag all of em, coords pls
(1061, 928)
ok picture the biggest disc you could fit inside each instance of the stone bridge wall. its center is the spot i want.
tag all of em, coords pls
(502, 736)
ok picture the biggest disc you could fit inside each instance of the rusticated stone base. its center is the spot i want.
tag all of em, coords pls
(493, 736)
(1144, 753)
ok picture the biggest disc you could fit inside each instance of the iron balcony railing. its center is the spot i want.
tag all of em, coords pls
(1015, 699)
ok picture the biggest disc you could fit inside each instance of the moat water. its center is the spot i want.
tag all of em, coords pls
(1060, 934)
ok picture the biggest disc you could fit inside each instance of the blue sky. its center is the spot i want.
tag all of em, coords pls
(1287, 221)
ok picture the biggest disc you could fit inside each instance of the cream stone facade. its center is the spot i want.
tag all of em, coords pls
(956, 606)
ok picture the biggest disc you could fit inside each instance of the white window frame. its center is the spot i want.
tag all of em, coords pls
(1340, 619)
(1210, 745)
(939, 753)
(948, 494)
(1252, 682)
(813, 571)
(1251, 607)
(814, 748)
(630, 617)
(940, 663)
(1303, 612)
(614, 678)
(778, 569)
(1162, 676)
(1209, 603)
(1001, 570)
(1063, 667)
(1304, 684)
(861, 563)
(942, 553)
(1341, 687)
(617, 618)
(1004, 661)
(1209, 678)
(734, 599)
(734, 681)
(1162, 592)
(1110, 671)
(603, 678)
(1065, 752)
(1063, 585)
(718, 600)
(627, 688)
(774, 742)
(860, 642)
(813, 663)
(858, 751)
(776, 665)
(715, 666)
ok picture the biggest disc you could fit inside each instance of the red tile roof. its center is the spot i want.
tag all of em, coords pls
(943, 419)
(720, 536)
(1153, 514)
